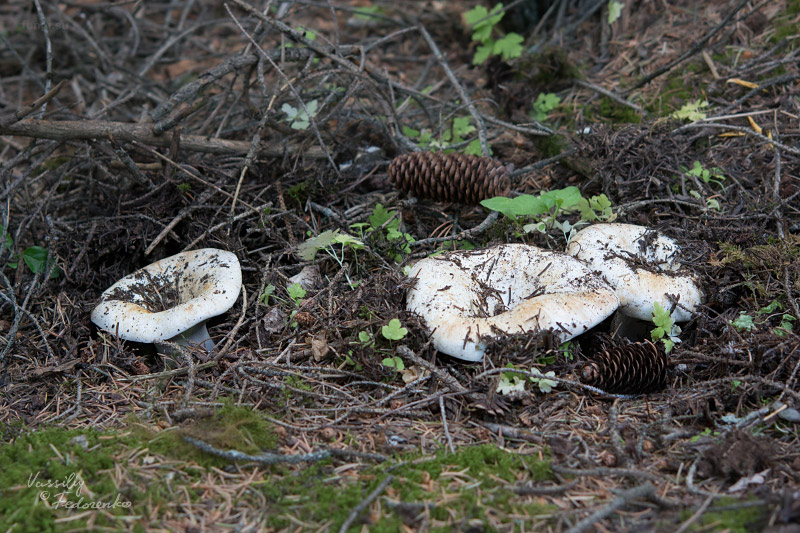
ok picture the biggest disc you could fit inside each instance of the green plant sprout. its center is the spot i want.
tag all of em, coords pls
(394, 362)
(296, 293)
(34, 256)
(389, 222)
(543, 104)
(510, 382)
(482, 23)
(714, 175)
(545, 209)
(745, 322)
(326, 240)
(666, 330)
(269, 292)
(393, 331)
(545, 384)
(453, 136)
(365, 339)
(299, 118)
(691, 111)
(614, 11)
(596, 208)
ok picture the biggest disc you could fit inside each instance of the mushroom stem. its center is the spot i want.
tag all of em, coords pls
(194, 336)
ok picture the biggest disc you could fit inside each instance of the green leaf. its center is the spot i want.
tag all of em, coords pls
(411, 133)
(614, 11)
(545, 385)
(771, 308)
(269, 290)
(36, 259)
(481, 25)
(379, 216)
(743, 322)
(9, 242)
(482, 54)
(510, 382)
(308, 249)
(364, 13)
(786, 324)
(296, 292)
(544, 103)
(394, 331)
(474, 148)
(509, 47)
(394, 362)
(299, 118)
(691, 111)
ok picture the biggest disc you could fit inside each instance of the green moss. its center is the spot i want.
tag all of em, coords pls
(474, 481)
(736, 518)
(231, 427)
(606, 110)
(58, 473)
(550, 145)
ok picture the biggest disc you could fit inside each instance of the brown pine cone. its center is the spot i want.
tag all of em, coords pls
(460, 178)
(638, 368)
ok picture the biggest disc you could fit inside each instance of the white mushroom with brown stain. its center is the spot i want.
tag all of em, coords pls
(468, 297)
(642, 266)
(171, 299)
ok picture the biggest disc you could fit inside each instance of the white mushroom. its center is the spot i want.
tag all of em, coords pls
(643, 267)
(171, 299)
(468, 297)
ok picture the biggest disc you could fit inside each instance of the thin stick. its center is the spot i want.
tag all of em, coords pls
(87, 130)
(444, 425)
(615, 97)
(18, 115)
(358, 509)
(624, 498)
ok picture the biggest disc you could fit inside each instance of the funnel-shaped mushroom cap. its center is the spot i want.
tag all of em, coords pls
(171, 296)
(642, 265)
(466, 297)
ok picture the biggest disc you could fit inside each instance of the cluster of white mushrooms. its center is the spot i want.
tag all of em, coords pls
(466, 298)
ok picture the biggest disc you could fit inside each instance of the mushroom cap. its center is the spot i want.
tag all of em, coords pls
(168, 297)
(643, 267)
(465, 297)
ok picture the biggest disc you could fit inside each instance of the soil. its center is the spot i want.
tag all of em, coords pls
(175, 134)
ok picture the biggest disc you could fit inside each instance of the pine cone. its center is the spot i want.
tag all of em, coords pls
(637, 368)
(449, 177)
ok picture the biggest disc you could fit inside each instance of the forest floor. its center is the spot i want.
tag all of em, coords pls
(172, 126)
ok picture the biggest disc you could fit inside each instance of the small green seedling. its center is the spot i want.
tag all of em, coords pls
(365, 339)
(324, 241)
(394, 362)
(33, 256)
(614, 11)
(691, 111)
(596, 208)
(296, 292)
(269, 292)
(713, 175)
(743, 322)
(184, 188)
(545, 384)
(510, 382)
(394, 331)
(482, 22)
(543, 104)
(705, 433)
(299, 118)
(389, 221)
(666, 330)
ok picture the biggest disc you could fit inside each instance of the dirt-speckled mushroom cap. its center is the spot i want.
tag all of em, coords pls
(643, 267)
(468, 297)
(170, 296)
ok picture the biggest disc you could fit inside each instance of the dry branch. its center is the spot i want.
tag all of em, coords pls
(86, 130)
